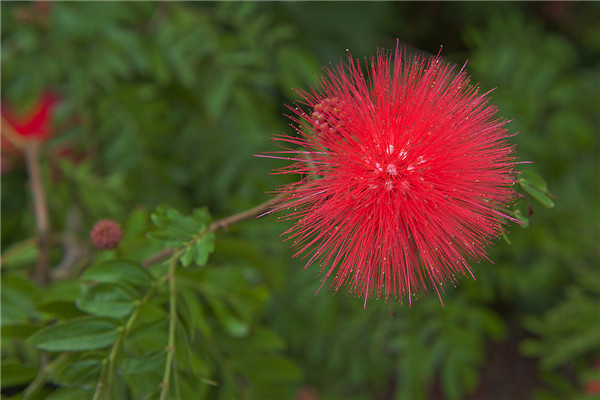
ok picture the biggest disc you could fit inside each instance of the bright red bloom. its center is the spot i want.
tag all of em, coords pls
(405, 175)
(36, 123)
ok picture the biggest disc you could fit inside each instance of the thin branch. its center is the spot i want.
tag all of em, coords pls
(244, 215)
(161, 255)
(46, 370)
(116, 348)
(223, 224)
(40, 208)
(12, 135)
(73, 250)
(170, 349)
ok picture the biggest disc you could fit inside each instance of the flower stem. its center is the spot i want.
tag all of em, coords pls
(170, 349)
(40, 207)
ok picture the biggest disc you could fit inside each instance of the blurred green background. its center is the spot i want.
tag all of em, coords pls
(166, 104)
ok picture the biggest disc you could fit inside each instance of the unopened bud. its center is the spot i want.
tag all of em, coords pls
(106, 234)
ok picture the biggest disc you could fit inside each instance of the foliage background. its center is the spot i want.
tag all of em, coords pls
(166, 103)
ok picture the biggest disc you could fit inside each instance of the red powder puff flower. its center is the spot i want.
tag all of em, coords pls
(405, 175)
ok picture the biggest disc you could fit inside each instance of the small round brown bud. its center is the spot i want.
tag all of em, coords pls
(106, 234)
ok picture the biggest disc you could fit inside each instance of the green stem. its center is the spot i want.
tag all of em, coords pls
(164, 391)
(108, 369)
(40, 379)
(100, 385)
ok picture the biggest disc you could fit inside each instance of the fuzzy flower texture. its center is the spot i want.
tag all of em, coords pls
(406, 174)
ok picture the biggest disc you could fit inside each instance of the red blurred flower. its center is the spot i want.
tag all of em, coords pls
(36, 123)
(21, 127)
(592, 387)
(37, 13)
(405, 176)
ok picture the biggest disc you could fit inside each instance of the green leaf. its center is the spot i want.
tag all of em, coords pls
(19, 297)
(203, 247)
(60, 309)
(119, 271)
(78, 334)
(536, 187)
(61, 290)
(260, 339)
(99, 195)
(220, 93)
(145, 363)
(195, 361)
(188, 256)
(193, 312)
(523, 219)
(567, 331)
(530, 347)
(148, 337)
(15, 374)
(108, 300)
(17, 331)
(70, 394)
(449, 377)
(175, 229)
(20, 255)
(268, 368)
(187, 232)
(58, 300)
(229, 320)
(297, 66)
(151, 313)
(80, 373)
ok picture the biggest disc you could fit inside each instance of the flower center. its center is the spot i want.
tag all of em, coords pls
(396, 172)
(391, 169)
